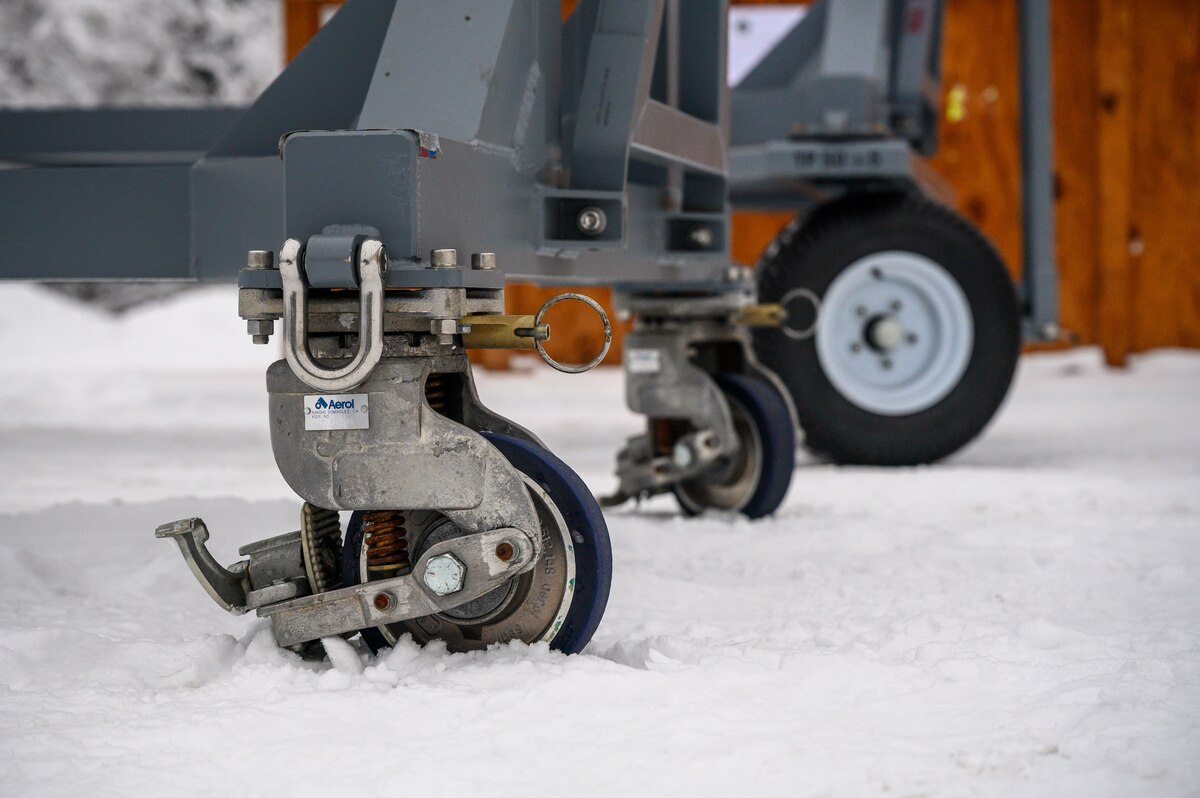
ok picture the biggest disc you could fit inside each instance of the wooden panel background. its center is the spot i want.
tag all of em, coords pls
(1127, 164)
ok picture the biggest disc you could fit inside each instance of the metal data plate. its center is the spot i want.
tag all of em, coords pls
(336, 411)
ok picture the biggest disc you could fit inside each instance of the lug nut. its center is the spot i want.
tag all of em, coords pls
(504, 551)
(591, 221)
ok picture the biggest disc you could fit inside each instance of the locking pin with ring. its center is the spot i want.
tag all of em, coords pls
(494, 331)
(804, 295)
(539, 343)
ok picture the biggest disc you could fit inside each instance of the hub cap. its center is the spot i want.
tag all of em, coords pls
(895, 333)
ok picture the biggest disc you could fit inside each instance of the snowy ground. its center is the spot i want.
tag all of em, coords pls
(1023, 620)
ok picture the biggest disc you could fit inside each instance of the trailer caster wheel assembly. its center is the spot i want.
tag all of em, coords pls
(464, 527)
(911, 344)
(754, 479)
(721, 427)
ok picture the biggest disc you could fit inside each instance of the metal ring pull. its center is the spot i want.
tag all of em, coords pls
(791, 296)
(372, 264)
(591, 364)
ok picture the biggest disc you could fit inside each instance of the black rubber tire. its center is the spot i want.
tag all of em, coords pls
(812, 253)
(769, 413)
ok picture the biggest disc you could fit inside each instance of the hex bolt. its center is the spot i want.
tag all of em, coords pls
(444, 574)
(383, 601)
(701, 237)
(260, 259)
(682, 455)
(504, 551)
(485, 261)
(443, 259)
(260, 330)
(591, 221)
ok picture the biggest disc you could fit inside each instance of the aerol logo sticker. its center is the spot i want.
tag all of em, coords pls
(340, 411)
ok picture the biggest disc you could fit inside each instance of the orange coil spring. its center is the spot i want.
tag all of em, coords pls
(664, 433)
(436, 392)
(386, 540)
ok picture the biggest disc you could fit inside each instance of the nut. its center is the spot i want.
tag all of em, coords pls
(682, 455)
(701, 237)
(591, 221)
(443, 258)
(444, 574)
(260, 330)
(260, 259)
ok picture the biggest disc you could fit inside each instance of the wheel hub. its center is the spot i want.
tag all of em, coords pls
(895, 333)
(530, 607)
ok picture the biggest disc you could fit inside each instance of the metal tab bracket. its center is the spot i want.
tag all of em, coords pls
(488, 560)
(372, 265)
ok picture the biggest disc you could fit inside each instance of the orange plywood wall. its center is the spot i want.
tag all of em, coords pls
(1127, 163)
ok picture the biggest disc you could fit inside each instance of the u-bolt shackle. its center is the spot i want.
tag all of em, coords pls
(372, 265)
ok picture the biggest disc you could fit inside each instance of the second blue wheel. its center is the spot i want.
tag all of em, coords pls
(753, 480)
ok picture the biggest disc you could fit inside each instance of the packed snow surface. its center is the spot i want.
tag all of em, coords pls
(1021, 620)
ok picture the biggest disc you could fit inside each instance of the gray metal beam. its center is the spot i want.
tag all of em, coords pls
(95, 223)
(1040, 273)
(111, 136)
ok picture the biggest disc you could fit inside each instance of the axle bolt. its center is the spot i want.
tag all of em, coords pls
(445, 574)
(504, 551)
(591, 221)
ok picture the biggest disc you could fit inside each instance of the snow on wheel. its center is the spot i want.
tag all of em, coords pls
(754, 480)
(917, 334)
(560, 601)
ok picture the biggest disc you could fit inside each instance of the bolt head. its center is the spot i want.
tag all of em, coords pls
(485, 261)
(682, 455)
(260, 259)
(383, 601)
(443, 258)
(504, 551)
(444, 574)
(591, 221)
(701, 237)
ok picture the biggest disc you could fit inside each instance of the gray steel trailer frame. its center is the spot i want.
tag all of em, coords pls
(504, 127)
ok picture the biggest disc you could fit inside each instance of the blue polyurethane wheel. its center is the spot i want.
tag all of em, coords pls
(755, 480)
(589, 545)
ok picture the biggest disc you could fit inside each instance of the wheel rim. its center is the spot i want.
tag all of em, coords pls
(731, 486)
(531, 607)
(895, 333)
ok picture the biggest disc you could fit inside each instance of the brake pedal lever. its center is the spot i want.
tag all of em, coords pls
(227, 587)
